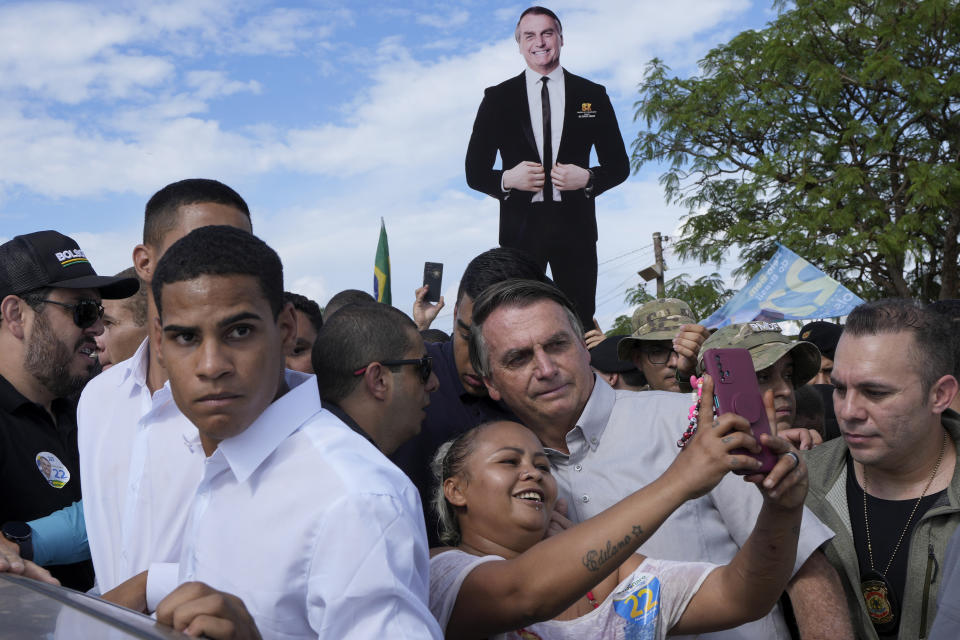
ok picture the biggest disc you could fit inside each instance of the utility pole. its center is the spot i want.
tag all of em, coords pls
(658, 256)
(656, 269)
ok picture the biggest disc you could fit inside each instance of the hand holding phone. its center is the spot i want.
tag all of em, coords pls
(432, 278)
(736, 391)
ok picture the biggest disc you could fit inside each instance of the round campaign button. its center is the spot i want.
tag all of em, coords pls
(54, 471)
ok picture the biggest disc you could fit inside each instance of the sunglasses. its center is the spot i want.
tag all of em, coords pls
(424, 367)
(85, 312)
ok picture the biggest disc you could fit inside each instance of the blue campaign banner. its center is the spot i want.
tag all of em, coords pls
(786, 288)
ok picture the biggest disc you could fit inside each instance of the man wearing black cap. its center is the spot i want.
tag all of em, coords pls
(825, 335)
(50, 314)
(618, 373)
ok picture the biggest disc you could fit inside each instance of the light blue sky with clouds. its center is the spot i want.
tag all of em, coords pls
(324, 115)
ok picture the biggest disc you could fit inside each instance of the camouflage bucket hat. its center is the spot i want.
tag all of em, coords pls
(766, 345)
(659, 319)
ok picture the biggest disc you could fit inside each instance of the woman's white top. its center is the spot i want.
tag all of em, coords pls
(644, 606)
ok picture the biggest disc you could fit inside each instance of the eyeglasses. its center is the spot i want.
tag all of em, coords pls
(424, 366)
(657, 354)
(85, 312)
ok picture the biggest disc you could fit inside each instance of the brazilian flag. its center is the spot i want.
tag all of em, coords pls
(381, 269)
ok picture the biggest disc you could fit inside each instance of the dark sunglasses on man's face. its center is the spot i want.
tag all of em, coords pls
(424, 366)
(85, 312)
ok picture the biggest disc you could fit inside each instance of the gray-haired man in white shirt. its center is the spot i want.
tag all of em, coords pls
(604, 444)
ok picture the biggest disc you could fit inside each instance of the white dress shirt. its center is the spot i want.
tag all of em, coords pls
(555, 87)
(624, 440)
(141, 461)
(312, 527)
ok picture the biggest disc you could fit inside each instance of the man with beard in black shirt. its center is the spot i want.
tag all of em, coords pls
(50, 314)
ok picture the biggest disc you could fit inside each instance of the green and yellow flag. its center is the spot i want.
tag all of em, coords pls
(381, 269)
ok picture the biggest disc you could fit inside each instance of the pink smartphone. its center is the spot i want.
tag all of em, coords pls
(735, 390)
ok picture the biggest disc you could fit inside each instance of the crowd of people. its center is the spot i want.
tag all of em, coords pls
(189, 440)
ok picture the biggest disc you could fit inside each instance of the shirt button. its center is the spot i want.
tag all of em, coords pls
(579, 467)
(593, 441)
(585, 498)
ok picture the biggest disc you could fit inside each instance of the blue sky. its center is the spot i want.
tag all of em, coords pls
(324, 115)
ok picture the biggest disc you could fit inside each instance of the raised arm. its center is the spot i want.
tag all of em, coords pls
(748, 587)
(546, 579)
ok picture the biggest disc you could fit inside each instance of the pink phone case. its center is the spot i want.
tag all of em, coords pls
(736, 391)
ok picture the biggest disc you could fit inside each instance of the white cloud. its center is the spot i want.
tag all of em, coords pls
(69, 53)
(392, 148)
(451, 19)
(211, 84)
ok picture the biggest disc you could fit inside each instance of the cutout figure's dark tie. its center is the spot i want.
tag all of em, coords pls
(547, 141)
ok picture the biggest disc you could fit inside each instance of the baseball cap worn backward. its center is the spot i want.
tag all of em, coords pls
(51, 259)
(658, 319)
(766, 345)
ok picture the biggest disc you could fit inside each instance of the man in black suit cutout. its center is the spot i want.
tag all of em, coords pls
(549, 214)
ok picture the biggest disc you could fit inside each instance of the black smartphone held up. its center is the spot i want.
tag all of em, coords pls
(433, 276)
(736, 391)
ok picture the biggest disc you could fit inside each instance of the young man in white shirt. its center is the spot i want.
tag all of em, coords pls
(296, 514)
(140, 455)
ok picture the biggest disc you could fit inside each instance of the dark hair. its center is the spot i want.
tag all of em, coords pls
(309, 308)
(511, 293)
(932, 348)
(809, 402)
(634, 378)
(36, 298)
(434, 335)
(342, 299)
(950, 311)
(497, 265)
(221, 251)
(450, 460)
(160, 215)
(537, 11)
(137, 303)
(352, 338)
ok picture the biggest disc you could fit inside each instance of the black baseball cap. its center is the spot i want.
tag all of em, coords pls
(51, 259)
(825, 335)
(603, 357)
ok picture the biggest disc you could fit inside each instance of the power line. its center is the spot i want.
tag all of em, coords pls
(622, 255)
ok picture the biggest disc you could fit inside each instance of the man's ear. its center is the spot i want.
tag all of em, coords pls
(942, 393)
(453, 492)
(11, 312)
(156, 339)
(611, 378)
(287, 324)
(377, 380)
(144, 262)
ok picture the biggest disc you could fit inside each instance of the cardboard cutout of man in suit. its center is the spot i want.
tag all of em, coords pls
(556, 224)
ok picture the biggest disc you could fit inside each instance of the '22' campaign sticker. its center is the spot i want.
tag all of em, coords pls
(55, 472)
(639, 604)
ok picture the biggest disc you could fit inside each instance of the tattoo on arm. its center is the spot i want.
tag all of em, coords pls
(594, 559)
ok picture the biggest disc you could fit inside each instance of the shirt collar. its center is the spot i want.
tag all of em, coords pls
(346, 419)
(597, 411)
(10, 398)
(246, 451)
(533, 77)
(136, 365)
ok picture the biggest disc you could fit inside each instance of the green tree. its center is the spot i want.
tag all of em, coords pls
(704, 295)
(835, 131)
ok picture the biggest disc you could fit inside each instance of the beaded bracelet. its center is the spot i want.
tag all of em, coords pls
(694, 412)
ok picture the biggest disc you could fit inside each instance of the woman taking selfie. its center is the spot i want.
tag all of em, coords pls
(501, 578)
